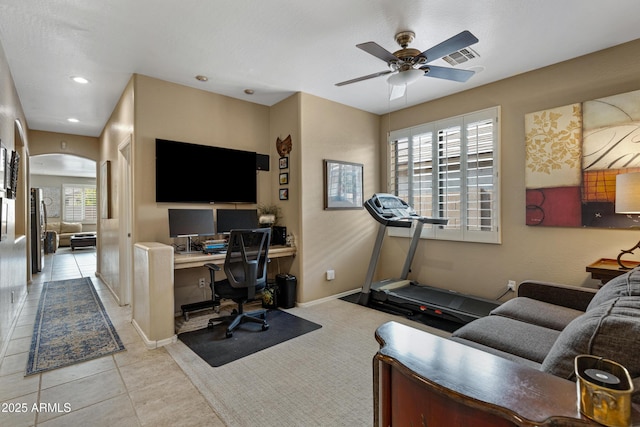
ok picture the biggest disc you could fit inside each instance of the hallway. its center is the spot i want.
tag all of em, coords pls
(136, 387)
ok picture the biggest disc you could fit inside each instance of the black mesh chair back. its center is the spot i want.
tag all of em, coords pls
(246, 269)
(246, 261)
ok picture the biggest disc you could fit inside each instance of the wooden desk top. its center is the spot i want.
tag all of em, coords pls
(199, 259)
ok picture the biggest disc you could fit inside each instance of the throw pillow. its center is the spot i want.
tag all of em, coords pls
(610, 330)
(626, 285)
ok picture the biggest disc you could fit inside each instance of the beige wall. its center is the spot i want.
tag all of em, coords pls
(150, 109)
(284, 119)
(52, 142)
(546, 253)
(14, 263)
(118, 128)
(341, 240)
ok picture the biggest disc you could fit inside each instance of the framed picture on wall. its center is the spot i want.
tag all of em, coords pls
(284, 178)
(105, 187)
(284, 194)
(3, 220)
(342, 185)
(3, 168)
(284, 163)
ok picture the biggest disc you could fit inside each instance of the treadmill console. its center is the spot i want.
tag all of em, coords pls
(391, 210)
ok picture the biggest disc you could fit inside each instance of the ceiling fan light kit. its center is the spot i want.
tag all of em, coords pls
(405, 77)
(407, 64)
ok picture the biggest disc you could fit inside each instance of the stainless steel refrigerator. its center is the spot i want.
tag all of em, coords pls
(38, 229)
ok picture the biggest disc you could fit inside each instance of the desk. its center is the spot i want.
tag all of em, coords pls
(606, 269)
(199, 259)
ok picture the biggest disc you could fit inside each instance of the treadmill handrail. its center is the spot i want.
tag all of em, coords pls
(400, 221)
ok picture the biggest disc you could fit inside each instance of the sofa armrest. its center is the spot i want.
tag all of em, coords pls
(556, 293)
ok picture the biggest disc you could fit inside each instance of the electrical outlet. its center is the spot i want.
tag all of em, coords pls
(511, 284)
(201, 282)
(331, 274)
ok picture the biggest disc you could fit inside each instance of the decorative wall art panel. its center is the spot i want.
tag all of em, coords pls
(51, 197)
(573, 154)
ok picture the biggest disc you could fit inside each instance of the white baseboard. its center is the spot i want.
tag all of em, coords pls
(108, 285)
(329, 298)
(150, 344)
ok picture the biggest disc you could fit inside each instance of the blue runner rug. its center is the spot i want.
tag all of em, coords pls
(71, 326)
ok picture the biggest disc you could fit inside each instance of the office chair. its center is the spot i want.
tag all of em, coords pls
(246, 269)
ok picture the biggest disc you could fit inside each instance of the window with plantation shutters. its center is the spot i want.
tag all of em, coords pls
(80, 203)
(449, 169)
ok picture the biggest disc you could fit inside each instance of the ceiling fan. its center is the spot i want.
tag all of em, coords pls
(408, 65)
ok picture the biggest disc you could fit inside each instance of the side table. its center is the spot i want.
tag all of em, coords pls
(606, 269)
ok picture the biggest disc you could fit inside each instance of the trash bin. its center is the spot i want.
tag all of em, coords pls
(286, 284)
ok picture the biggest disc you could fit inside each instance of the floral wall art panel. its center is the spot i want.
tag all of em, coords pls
(553, 166)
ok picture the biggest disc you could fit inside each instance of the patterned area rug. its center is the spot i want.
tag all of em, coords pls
(71, 326)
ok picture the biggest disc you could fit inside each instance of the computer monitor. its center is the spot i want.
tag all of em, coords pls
(230, 219)
(191, 223)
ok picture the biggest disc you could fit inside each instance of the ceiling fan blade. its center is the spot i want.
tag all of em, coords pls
(447, 73)
(456, 42)
(359, 79)
(378, 51)
(397, 91)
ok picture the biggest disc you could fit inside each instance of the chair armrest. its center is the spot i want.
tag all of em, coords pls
(212, 266)
(556, 293)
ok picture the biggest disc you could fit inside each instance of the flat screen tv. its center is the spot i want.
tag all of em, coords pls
(193, 173)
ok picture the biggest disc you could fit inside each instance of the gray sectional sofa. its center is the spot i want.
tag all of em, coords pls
(548, 324)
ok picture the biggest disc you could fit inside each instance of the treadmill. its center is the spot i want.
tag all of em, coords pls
(405, 297)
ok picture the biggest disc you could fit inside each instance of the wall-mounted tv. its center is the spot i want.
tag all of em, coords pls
(192, 173)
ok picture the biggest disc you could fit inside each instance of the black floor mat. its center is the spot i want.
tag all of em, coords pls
(214, 348)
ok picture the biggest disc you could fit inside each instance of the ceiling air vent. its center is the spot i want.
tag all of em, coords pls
(461, 56)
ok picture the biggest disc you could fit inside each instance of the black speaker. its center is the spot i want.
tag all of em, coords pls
(262, 162)
(279, 236)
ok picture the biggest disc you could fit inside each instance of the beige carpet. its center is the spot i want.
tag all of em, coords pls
(323, 378)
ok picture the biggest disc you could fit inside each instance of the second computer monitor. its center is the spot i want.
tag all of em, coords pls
(230, 219)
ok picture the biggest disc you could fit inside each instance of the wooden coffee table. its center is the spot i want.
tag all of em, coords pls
(83, 241)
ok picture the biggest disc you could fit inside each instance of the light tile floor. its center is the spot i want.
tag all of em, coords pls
(136, 387)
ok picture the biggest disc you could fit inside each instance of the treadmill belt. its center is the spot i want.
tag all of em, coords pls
(445, 299)
(433, 296)
(477, 306)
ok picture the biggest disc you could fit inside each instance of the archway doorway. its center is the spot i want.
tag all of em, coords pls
(67, 185)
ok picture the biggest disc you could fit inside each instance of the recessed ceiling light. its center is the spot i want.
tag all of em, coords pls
(73, 120)
(202, 78)
(249, 91)
(80, 80)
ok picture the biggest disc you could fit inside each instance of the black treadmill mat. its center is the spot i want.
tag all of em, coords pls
(425, 319)
(446, 299)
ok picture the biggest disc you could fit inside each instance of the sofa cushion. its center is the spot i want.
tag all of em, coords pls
(610, 330)
(53, 226)
(522, 339)
(70, 227)
(537, 312)
(503, 354)
(625, 285)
